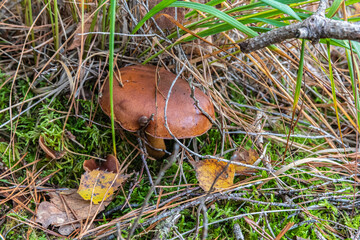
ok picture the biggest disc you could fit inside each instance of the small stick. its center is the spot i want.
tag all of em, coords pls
(198, 218)
(144, 122)
(143, 158)
(238, 233)
(172, 159)
(205, 220)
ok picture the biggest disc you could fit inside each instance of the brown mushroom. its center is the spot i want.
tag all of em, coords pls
(144, 93)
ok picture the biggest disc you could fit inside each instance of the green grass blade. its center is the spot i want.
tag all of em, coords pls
(358, 74)
(211, 3)
(111, 67)
(353, 85)
(273, 22)
(282, 7)
(350, 2)
(200, 7)
(50, 16)
(334, 7)
(354, 19)
(333, 89)
(216, 13)
(152, 12)
(356, 47)
(242, 17)
(299, 76)
(103, 26)
(92, 26)
(29, 21)
(214, 27)
(251, 6)
(56, 22)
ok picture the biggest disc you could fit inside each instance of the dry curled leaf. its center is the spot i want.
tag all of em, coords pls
(76, 203)
(111, 165)
(98, 185)
(77, 37)
(246, 157)
(47, 214)
(49, 152)
(66, 207)
(209, 170)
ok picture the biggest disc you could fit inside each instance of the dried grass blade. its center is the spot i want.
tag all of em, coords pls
(306, 160)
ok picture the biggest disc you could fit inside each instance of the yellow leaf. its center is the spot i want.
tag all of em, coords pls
(98, 185)
(208, 170)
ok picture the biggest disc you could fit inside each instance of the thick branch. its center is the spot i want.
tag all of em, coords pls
(313, 28)
(321, 8)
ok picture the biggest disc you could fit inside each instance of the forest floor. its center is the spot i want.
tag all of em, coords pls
(304, 181)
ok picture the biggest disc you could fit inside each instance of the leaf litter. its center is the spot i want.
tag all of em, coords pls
(209, 171)
(67, 209)
(100, 181)
(246, 157)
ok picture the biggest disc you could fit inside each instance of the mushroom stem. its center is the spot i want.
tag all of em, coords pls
(157, 143)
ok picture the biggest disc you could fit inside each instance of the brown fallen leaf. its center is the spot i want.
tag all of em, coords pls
(79, 206)
(50, 152)
(208, 170)
(111, 165)
(77, 37)
(66, 207)
(246, 157)
(48, 214)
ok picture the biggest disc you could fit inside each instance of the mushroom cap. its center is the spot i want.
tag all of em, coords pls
(144, 93)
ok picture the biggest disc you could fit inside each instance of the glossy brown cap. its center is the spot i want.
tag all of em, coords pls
(144, 93)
